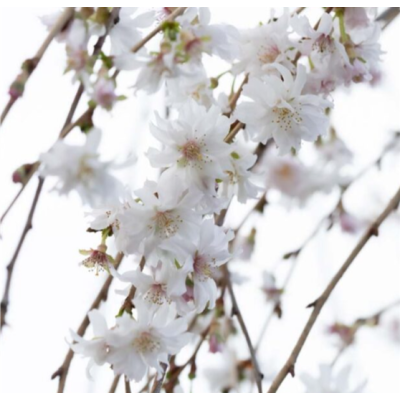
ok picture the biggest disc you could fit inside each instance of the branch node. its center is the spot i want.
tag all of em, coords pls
(313, 304)
(58, 373)
(374, 230)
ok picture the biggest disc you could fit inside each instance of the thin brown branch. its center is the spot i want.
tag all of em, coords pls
(31, 64)
(158, 382)
(89, 112)
(68, 124)
(127, 305)
(176, 370)
(176, 13)
(127, 385)
(11, 266)
(114, 384)
(298, 10)
(289, 367)
(234, 99)
(258, 376)
(11, 101)
(388, 16)
(369, 321)
(234, 131)
(62, 371)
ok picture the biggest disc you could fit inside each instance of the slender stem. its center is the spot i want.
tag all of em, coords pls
(236, 311)
(62, 371)
(127, 305)
(68, 124)
(114, 384)
(233, 101)
(54, 31)
(298, 10)
(71, 125)
(176, 13)
(289, 367)
(234, 131)
(127, 385)
(388, 16)
(11, 101)
(158, 382)
(11, 266)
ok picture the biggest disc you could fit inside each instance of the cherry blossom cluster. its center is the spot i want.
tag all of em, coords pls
(290, 69)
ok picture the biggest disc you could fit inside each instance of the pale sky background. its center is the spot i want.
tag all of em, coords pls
(51, 293)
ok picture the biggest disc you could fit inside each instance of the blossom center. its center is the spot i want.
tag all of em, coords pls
(191, 151)
(166, 223)
(157, 294)
(146, 343)
(202, 268)
(284, 117)
(268, 54)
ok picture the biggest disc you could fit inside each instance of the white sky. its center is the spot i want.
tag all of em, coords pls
(50, 293)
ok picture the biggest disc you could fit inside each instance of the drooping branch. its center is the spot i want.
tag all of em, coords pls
(114, 384)
(34, 168)
(89, 111)
(11, 266)
(317, 305)
(388, 16)
(31, 64)
(258, 376)
(62, 371)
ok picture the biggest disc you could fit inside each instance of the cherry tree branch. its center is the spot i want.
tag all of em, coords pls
(388, 16)
(62, 371)
(89, 111)
(258, 376)
(127, 385)
(317, 305)
(10, 268)
(31, 64)
(176, 13)
(28, 224)
(114, 384)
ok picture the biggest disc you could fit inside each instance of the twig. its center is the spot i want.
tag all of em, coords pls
(175, 371)
(68, 124)
(289, 367)
(62, 371)
(127, 305)
(158, 382)
(10, 268)
(114, 384)
(71, 125)
(298, 10)
(234, 131)
(127, 385)
(33, 62)
(176, 13)
(388, 16)
(372, 320)
(233, 101)
(258, 377)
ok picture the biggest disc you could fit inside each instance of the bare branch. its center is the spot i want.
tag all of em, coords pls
(127, 385)
(31, 64)
(320, 302)
(62, 371)
(258, 376)
(10, 268)
(388, 16)
(89, 112)
(176, 13)
(114, 384)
